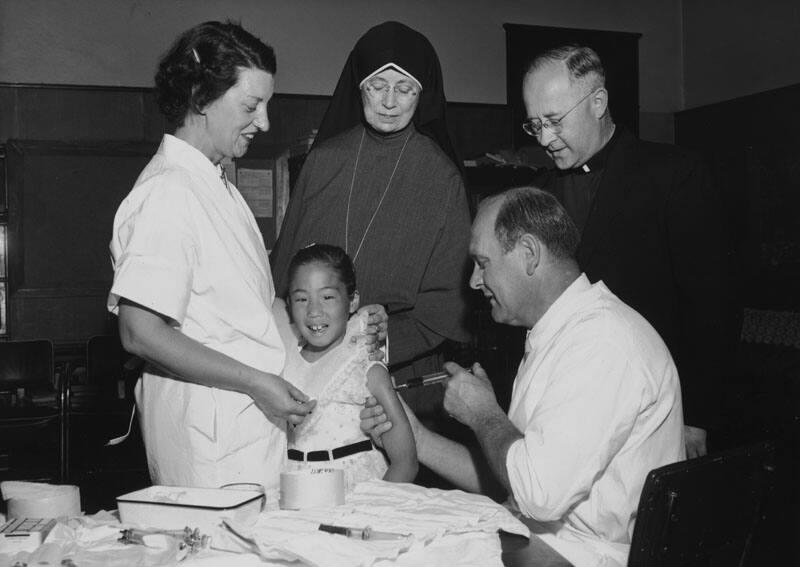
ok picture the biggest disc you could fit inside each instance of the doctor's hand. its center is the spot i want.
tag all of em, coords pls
(469, 396)
(377, 329)
(276, 397)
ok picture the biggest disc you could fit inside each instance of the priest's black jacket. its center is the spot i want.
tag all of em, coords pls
(656, 235)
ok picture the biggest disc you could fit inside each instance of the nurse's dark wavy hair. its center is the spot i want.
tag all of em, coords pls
(530, 210)
(204, 63)
(332, 256)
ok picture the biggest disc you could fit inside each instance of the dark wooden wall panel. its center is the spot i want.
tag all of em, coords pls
(71, 114)
(479, 128)
(755, 162)
(154, 124)
(8, 113)
(292, 117)
(77, 153)
(64, 319)
(61, 209)
(62, 200)
(67, 113)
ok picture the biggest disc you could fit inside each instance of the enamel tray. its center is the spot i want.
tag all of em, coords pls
(178, 507)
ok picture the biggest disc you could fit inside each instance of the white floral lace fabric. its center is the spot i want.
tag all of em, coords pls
(338, 381)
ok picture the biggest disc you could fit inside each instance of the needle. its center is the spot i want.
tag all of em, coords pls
(426, 380)
(361, 533)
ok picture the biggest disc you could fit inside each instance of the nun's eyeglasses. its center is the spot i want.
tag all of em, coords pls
(378, 88)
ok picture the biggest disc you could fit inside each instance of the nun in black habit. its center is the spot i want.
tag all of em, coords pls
(383, 181)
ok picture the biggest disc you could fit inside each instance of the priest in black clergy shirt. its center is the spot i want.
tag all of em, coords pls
(650, 221)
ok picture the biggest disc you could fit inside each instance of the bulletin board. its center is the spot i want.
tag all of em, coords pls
(262, 177)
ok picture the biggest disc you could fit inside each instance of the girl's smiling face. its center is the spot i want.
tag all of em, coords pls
(320, 307)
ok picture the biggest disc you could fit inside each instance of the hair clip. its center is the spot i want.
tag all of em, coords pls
(196, 56)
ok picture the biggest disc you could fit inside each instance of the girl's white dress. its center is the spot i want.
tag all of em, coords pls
(338, 381)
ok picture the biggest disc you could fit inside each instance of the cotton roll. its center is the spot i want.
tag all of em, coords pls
(312, 488)
(38, 500)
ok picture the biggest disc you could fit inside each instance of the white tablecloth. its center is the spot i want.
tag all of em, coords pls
(446, 527)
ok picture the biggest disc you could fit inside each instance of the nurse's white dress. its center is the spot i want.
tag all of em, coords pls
(187, 246)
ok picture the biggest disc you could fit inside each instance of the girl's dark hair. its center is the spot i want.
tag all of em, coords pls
(203, 64)
(330, 255)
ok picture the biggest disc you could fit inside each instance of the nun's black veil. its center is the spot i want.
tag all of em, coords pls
(391, 42)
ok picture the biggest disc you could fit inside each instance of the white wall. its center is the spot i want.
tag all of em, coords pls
(739, 47)
(117, 42)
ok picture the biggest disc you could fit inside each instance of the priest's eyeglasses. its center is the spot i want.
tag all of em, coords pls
(378, 88)
(533, 126)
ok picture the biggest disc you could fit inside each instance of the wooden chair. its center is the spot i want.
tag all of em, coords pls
(705, 511)
(32, 441)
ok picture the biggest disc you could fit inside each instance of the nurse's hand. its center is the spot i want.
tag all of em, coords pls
(276, 397)
(375, 422)
(377, 329)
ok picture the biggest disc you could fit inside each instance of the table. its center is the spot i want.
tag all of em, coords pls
(474, 520)
(517, 551)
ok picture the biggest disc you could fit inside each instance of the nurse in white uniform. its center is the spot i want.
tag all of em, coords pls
(192, 284)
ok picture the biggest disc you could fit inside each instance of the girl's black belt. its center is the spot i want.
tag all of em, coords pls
(333, 454)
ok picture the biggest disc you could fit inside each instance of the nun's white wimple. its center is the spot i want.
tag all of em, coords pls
(394, 66)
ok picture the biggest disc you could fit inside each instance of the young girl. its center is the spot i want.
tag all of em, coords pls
(332, 366)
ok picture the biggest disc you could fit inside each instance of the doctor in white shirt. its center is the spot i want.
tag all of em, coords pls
(596, 401)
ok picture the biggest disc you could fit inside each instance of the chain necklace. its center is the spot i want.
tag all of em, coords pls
(224, 178)
(350, 195)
